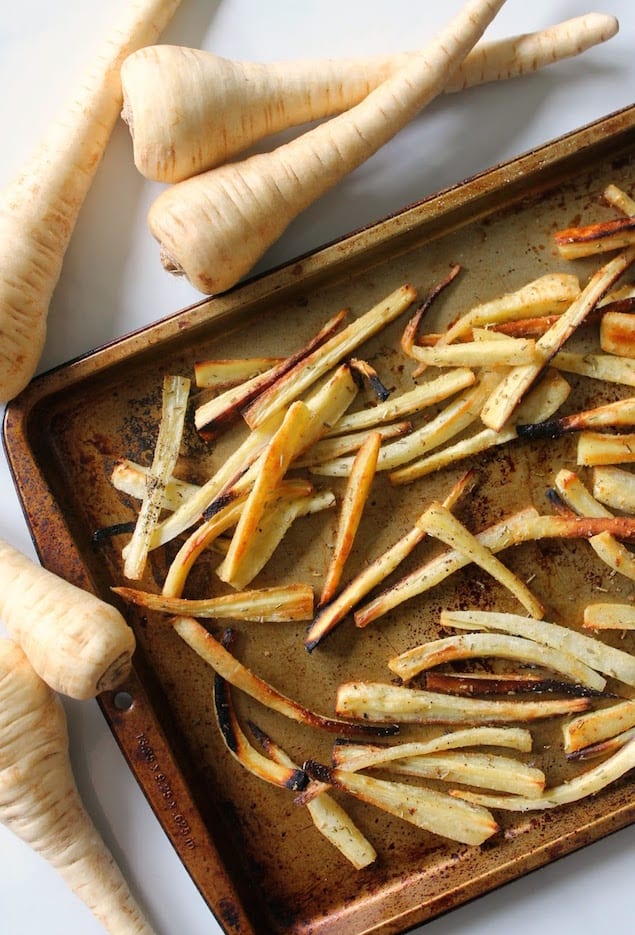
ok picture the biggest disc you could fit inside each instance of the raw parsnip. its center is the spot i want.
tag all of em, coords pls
(77, 643)
(215, 226)
(39, 208)
(176, 99)
(40, 802)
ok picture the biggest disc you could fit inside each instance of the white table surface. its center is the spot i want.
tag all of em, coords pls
(112, 283)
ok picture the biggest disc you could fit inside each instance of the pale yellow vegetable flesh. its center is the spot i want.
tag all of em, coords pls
(215, 226)
(77, 643)
(39, 800)
(39, 208)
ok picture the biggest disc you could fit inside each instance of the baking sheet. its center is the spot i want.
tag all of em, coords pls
(253, 854)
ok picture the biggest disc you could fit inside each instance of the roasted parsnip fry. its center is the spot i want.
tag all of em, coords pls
(276, 459)
(327, 815)
(450, 421)
(588, 240)
(510, 683)
(440, 523)
(541, 402)
(238, 675)
(612, 662)
(505, 352)
(573, 492)
(617, 197)
(281, 603)
(580, 787)
(396, 407)
(275, 522)
(599, 448)
(500, 645)
(332, 613)
(337, 446)
(605, 616)
(552, 292)
(482, 770)
(611, 415)
(229, 372)
(524, 526)
(284, 775)
(174, 404)
(617, 333)
(387, 703)
(131, 478)
(217, 413)
(426, 808)
(596, 726)
(603, 747)
(605, 367)
(409, 335)
(615, 488)
(513, 387)
(299, 378)
(352, 508)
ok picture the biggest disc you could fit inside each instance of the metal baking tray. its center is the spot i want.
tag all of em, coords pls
(252, 852)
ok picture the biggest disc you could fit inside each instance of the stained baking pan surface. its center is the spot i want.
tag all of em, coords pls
(253, 853)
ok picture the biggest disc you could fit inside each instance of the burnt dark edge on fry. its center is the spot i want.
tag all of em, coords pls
(319, 772)
(550, 429)
(361, 369)
(108, 532)
(466, 686)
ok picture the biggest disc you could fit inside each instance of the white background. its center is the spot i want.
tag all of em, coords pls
(112, 282)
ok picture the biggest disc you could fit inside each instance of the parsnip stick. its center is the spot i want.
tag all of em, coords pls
(600, 448)
(615, 488)
(283, 603)
(609, 616)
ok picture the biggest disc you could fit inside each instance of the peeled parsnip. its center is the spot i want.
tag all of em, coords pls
(40, 802)
(189, 110)
(39, 208)
(77, 643)
(215, 226)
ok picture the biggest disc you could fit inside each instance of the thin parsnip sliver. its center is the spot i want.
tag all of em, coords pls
(285, 602)
(588, 240)
(506, 352)
(605, 367)
(596, 726)
(132, 478)
(229, 372)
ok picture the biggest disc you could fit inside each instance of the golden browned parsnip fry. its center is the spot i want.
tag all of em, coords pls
(285, 602)
(77, 643)
(596, 726)
(600, 448)
(615, 488)
(215, 226)
(609, 616)
(616, 234)
(40, 206)
(617, 333)
(39, 800)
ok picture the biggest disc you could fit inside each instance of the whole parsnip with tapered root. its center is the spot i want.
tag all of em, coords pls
(77, 643)
(39, 800)
(39, 208)
(176, 98)
(215, 226)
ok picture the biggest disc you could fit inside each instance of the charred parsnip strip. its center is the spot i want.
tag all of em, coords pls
(510, 683)
(228, 372)
(352, 508)
(242, 678)
(285, 602)
(580, 787)
(604, 616)
(174, 404)
(396, 407)
(499, 645)
(384, 703)
(483, 770)
(275, 522)
(284, 775)
(615, 488)
(611, 415)
(524, 526)
(300, 377)
(599, 448)
(592, 652)
(510, 391)
(453, 419)
(332, 613)
(131, 478)
(276, 459)
(426, 808)
(550, 293)
(576, 496)
(439, 523)
(605, 367)
(543, 400)
(588, 240)
(218, 412)
(327, 815)
(597, 726)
